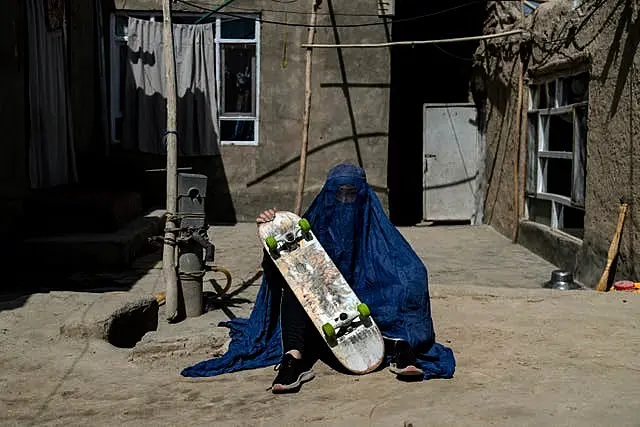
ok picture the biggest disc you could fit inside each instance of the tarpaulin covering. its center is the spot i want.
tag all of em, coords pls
(376, 260)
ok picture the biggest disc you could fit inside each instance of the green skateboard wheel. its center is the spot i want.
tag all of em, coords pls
(329, 332)
(363, 309)
(304, 225)
(271, 243)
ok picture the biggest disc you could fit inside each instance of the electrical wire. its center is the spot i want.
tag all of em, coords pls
(451, 54)
(327, 14)
(366, 24)
(299, 12)
(363, 15)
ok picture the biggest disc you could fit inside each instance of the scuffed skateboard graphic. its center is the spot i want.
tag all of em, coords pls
(335, 310)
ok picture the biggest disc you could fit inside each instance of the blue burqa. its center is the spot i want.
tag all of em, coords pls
(382, 268)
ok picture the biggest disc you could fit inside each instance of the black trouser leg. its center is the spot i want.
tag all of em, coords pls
(295, 323)
(299, 332)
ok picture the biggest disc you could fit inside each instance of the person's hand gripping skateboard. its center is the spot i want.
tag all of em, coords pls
(266, 216)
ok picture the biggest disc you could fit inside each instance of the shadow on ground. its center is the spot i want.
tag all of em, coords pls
(17, 290)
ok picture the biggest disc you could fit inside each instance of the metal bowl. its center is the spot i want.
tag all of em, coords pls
(561, 280)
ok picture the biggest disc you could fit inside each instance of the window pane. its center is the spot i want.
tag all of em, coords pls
(580, 156)
(532, 148)
(561, 95)
(573, 221)
(543, 132)
(559, 173)
(122, 23)
(551, 87)
(577, 88)
(560, 132)
(238, 66)
(540, 211)
(533, 97)
(238, 28)
(237, 130)
(543, 96)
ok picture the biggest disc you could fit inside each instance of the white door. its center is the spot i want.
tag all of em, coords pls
(451, 163)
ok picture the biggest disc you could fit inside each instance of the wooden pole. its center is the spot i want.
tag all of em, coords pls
(516, 160)
(307, 110)
(603, 283)
(524, 161)
(518, 144)
(169, 250)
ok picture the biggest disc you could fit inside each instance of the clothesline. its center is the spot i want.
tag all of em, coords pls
(414, 42)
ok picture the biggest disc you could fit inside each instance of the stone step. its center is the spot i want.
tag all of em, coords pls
(94, 251)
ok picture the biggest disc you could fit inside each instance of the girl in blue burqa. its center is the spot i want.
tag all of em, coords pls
(381, 267)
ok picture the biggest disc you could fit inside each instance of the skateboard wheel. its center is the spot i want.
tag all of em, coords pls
(363, 309)
(271, 243)
(329, 332)
(304, 225)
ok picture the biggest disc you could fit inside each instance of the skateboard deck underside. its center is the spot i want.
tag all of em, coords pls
(325, 295)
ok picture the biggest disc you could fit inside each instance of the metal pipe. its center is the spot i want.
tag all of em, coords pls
(414, 42)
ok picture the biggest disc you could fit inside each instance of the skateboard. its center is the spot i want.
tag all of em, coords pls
(340, 317)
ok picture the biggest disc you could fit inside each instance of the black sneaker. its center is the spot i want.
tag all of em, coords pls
(292, 373)
(403, 362)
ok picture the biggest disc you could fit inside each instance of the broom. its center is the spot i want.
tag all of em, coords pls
(603, 284)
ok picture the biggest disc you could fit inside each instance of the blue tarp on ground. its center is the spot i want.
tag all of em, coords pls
(374, 258)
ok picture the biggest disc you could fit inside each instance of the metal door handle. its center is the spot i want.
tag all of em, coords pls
(426, 164)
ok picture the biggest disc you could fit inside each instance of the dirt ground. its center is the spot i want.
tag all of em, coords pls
(526, 356)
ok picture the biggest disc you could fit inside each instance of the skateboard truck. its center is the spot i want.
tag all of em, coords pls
(289, 241)
(346, 324)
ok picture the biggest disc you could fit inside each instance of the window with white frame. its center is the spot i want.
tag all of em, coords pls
(556, 164)
(238, 62)
(237, 72)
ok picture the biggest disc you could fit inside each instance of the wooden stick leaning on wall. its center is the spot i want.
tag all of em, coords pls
(307, 109)
(517, 208)
(603, 284)
(168, 253)
(524, 148)
(516, 156)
